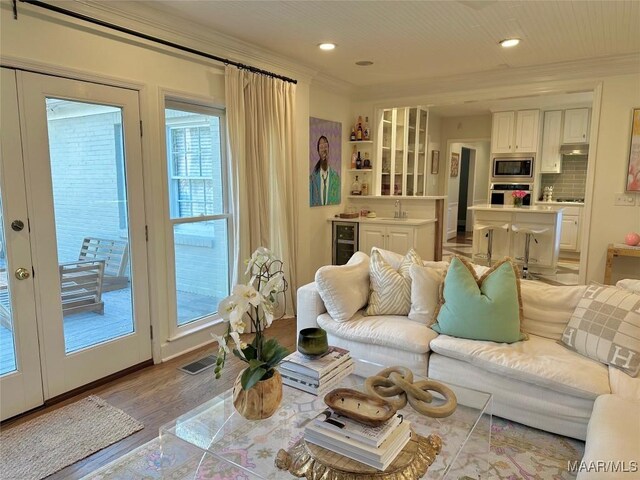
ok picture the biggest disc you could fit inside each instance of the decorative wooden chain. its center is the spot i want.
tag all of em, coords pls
(398, 382)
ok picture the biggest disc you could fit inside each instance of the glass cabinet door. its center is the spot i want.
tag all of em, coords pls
(411, 152)
(421, 152)
(398, 151)
(385, 153)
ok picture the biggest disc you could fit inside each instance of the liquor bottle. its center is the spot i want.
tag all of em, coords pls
(367, 162)
(358, 162)
(354, 157)
(353, 134)
(367, 134)
(364, 189)
(359, 129)
(355, 187)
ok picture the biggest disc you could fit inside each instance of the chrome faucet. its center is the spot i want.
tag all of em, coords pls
(398, 212)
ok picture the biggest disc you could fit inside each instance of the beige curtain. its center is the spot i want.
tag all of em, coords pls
(260, 118)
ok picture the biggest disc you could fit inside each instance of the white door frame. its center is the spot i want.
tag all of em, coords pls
(62, 372)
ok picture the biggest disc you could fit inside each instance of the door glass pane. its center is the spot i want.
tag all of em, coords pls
(202, 268)
(92, 229)
(7, 345)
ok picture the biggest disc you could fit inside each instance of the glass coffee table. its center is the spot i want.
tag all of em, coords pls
(222, 445)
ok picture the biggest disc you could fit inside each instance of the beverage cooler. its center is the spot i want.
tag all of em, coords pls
(345, 241)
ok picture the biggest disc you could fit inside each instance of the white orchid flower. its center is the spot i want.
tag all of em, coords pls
(258, 259)
(222, 342)
(233, 308)
(248, 294)
(238, 325)
(239, 344)
(268, 310)
(273, 286)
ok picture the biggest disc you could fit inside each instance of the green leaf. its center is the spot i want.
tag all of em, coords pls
(251, 377)
(253, 364)
(269, 348)
(278, 355)
(250, 352)
(237, 354)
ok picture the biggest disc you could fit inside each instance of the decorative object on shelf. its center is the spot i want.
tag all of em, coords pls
(354, 157)
(355, 187)
(633, 171)
(367, 134)
(435, 162)
(455, 164)
(306, 460)
(352, 137)
(359, 129)
(364, 189)
(312, 342)
(325, 153)
(362, 408)
(358, 161)
(398, 382)
(632, 239)
(367, 163)
(518, 196)
(258, 389)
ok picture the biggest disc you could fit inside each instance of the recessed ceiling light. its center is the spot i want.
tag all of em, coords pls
(327, 46)
(509, 42)
(364, 63)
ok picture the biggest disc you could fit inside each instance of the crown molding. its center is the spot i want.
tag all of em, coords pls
(334, 85)
(577, 71)
(136, 16)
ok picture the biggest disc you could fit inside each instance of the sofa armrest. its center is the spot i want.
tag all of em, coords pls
(310, 305)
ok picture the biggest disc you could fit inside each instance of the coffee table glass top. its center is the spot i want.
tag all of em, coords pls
(234, 447)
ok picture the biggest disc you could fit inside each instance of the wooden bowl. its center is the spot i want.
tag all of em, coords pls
(359, 407)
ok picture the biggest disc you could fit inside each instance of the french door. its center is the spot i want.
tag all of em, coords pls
(82, 180)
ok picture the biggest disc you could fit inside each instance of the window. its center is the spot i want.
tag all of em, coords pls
(198, 209)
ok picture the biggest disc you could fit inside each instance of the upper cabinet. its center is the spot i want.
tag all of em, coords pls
(550, 160)
(402, 147)
(576, 126)
(515, 132)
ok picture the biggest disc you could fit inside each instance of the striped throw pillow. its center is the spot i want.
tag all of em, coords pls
(390, 288)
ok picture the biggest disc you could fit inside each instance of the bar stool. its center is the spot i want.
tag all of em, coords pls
(529, 234)
(480, 227)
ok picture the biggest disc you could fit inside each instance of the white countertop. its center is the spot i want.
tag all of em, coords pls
(396, 197)
(553, 208)
(575, 204)
(388, 220)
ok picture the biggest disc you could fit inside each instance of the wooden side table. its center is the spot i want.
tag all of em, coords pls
(617, 250)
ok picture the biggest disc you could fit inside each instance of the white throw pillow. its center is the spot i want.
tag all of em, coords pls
(425, 292)
(629, 284)
(390, 288)
(344, 289)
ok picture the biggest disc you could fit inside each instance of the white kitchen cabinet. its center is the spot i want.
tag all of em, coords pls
(515, 132)
(402, 147)
(397, 238)
(571, 225)
(576, 126)
(550, 158)
(502, 132)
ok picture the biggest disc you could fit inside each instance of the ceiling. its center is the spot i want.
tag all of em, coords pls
(411, 40)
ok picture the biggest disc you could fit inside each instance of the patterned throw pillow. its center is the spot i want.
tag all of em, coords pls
(605, 326)
(390, 288)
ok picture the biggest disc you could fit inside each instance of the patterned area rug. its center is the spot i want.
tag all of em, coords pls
(517, 452)
(50, 442)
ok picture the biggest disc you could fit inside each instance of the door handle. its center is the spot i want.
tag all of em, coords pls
(17, 225)
(22, 273)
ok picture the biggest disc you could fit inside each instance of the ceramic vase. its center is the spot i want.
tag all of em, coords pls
(261, 401)
(517, 202)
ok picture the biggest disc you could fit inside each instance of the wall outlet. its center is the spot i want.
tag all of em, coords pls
(624, 200)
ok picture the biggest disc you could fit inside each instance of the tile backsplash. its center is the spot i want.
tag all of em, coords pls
(571, 182)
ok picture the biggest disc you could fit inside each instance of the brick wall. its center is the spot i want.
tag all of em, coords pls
(571, 182)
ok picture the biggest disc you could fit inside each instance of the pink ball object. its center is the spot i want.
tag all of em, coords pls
(632, 239)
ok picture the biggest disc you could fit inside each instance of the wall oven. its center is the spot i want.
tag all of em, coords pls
(501, 193)
(512, 169)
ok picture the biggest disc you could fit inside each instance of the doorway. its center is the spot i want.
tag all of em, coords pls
(73, 280)
(466, 189)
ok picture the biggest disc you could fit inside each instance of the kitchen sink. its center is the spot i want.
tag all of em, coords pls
(403, 219)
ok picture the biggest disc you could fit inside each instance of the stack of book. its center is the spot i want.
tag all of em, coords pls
(316, 375)
(374, 446)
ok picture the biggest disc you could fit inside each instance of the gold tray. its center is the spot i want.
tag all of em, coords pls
(316, 463)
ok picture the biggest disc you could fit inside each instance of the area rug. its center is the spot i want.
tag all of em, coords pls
(517, 452)
(48, 443)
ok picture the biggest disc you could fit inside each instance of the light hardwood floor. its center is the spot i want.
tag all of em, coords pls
(156, 395)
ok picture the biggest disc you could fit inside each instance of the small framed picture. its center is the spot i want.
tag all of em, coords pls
(435, 162)
(633, 169)
(455, 164)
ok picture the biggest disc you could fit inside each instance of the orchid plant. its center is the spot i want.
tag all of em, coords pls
(256, 304)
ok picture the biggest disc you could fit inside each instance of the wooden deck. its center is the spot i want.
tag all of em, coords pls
(90, 328)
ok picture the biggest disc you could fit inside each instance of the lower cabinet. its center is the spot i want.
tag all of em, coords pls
(398, 238)
(570, 234)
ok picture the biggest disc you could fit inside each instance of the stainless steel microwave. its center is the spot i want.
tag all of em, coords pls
(512, 168)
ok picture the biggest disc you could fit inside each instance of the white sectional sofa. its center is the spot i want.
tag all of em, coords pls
(537, 382)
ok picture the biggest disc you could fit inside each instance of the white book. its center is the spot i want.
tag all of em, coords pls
(379, 458)
(316, 367)
(314, 382)
(324, 388)
(349, 428)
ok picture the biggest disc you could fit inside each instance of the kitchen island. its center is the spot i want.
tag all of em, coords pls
(508, 223)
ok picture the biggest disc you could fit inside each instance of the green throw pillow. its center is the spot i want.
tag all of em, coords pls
(485, 309)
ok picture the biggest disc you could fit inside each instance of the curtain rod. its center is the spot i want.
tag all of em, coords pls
(144, 36)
